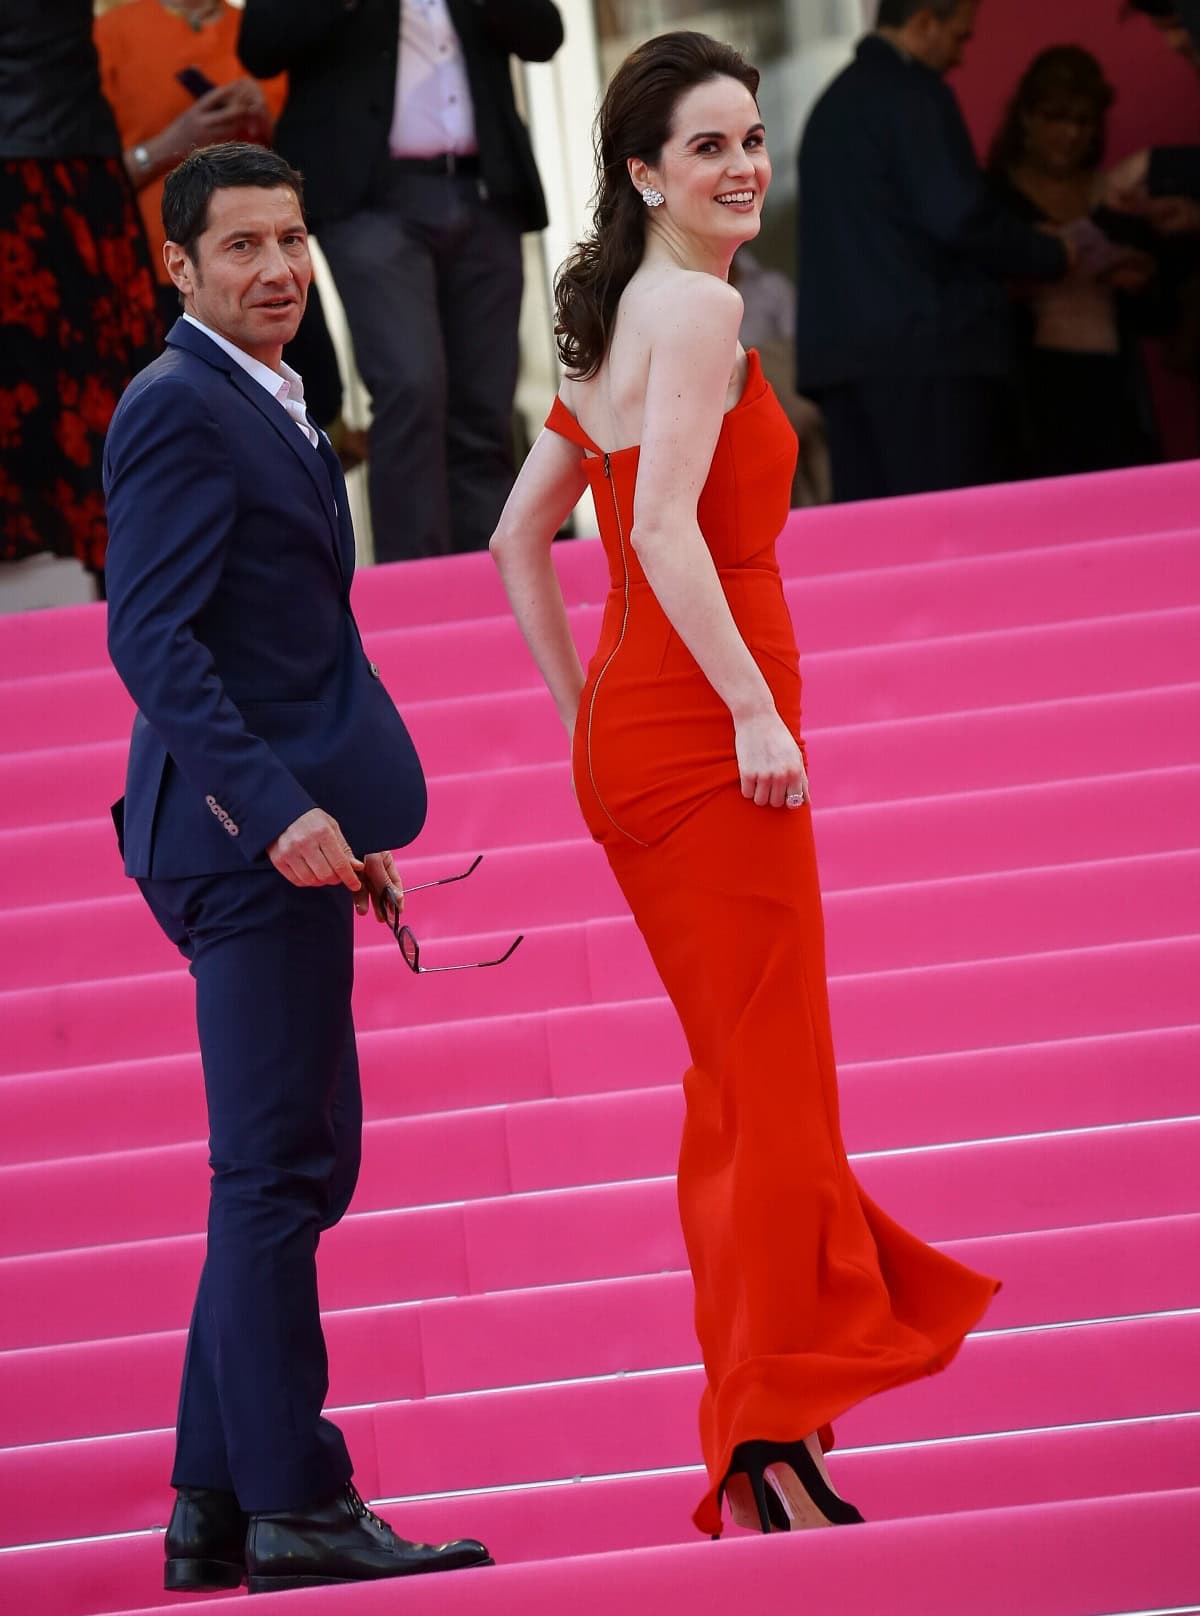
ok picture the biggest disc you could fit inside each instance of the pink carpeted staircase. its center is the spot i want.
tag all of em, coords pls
(1002, 690)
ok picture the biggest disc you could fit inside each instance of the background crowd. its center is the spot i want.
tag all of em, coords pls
(955, 317)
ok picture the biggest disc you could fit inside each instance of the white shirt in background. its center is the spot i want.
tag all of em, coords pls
(434, 112)
(283, 384)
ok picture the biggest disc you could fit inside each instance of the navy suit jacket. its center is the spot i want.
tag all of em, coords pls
(902, 249)
(230, 558)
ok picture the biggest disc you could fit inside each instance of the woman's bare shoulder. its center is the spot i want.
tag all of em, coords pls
(677, 297)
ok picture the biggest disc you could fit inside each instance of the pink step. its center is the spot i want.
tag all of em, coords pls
(831, 539)
(448, 1345)
(837, 612)
(388, 598)
(553, 1237)
(1016, 1380)
(512, 720)
(1092, 1032)
(874, 928)
(867, 844)
(1015, 1551)
(857, 763)
(844, 682)
(1077, 1082)
(452, 1156)
(1132, 1548)
(927, 1009)
(1006, 1381)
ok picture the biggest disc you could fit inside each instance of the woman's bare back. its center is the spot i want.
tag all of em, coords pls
(611, 405)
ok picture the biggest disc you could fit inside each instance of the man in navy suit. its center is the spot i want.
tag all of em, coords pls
(266, 757)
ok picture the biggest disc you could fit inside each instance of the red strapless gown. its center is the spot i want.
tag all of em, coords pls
(808, 1297)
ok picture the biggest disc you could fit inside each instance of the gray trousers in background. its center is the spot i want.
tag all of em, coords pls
(431, 278)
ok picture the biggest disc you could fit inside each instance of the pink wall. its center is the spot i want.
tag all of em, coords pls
(1158, 95)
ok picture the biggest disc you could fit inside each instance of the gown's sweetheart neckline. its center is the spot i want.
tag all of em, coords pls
(753, 370)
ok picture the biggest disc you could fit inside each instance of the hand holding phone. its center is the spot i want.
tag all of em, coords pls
(219, 112)
(195, 82)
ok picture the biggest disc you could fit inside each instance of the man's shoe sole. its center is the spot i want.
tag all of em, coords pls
(201, 1576)
(266, 1585)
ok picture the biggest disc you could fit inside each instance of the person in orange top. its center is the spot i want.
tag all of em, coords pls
(144, 45)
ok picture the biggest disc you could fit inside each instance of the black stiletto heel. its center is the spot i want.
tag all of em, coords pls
(796, 1487)
(772, 1517)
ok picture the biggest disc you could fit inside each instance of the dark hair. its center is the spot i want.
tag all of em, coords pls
(895, 13)
(190, 186)
(634, 121)
(1062, 71)
(1161, 10)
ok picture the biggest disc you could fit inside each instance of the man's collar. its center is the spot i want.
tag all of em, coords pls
(877, 40)
(263, 374)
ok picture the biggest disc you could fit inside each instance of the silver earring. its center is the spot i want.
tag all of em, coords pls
(653, 198)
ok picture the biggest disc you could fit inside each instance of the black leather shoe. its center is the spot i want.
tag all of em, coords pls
(342, 1541)
(205, 1542)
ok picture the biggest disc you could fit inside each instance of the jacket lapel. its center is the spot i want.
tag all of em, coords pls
(341, 500)
(184, 335)
(273, 412)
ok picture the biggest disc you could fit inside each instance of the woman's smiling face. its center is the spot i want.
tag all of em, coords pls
(714, 170)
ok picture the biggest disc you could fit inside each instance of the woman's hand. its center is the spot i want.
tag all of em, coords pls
(218, 115)
(769, 762)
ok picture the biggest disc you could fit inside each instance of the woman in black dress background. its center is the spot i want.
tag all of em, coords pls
(1084, 396)
(77, 302)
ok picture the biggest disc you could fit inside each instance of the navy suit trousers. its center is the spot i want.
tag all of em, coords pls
(274, 967)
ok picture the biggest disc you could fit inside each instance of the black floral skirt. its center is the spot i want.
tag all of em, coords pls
(78, 318)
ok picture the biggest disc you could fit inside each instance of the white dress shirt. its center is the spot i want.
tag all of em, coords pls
(434, 112)
(283, 384)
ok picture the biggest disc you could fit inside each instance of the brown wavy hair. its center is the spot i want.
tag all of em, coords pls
(634, 120)
(1065, 72)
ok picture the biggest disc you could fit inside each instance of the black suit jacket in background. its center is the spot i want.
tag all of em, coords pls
(341, 58)
(902, 250)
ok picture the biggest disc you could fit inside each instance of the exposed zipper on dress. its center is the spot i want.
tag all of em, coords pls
(611, 655)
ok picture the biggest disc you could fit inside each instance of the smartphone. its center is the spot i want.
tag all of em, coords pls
(195, 82)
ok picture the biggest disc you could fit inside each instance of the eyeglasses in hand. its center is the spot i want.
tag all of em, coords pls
(410, 949)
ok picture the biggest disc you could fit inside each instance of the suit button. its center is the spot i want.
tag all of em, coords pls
(373, 670)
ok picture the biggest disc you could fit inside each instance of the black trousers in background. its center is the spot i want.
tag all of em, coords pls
(916, 435)
(1084, 412)
(431, 278)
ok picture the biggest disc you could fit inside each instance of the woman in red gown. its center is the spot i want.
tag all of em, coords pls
(687, 763)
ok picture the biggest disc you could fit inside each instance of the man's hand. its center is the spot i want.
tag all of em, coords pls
(381, 876)
(312, 852)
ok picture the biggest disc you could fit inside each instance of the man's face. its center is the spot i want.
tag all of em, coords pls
(943, 40)
(250, 278)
